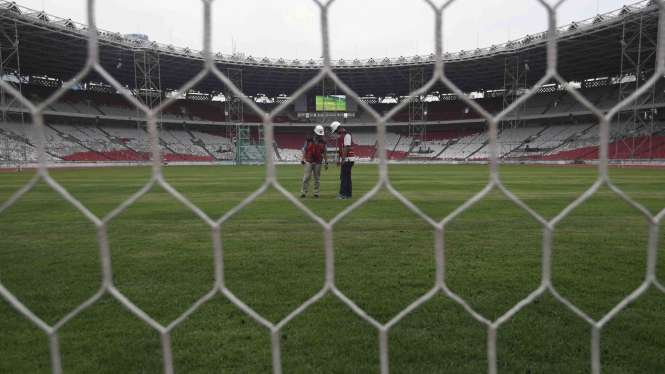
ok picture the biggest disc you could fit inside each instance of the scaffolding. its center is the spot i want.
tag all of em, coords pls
(633, 135)
(514, 85)
(329, 88)
(15, 148)
(417, 111)
(242, 143)
(248, 150)
(261, 145)
(234, 110)
(148, 90)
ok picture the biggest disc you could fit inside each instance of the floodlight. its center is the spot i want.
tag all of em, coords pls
(119, 64)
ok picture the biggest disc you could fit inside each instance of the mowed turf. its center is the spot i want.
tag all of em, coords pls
(162, 261)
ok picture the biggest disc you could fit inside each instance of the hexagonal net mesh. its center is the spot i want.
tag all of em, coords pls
(440, 286)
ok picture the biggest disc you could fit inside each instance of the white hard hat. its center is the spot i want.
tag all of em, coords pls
(318, 130)
(334, 126)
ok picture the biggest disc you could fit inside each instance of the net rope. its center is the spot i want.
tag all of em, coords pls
(107, 286)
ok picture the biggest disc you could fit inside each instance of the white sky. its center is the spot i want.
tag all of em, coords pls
(359, 28)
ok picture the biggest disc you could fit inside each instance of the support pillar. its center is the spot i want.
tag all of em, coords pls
(634, 125)
(417, 110)
(148, 90)
(242, 144)
(14, 151)
(329, 88)
(514, 85)
(235, 112)
(261, 146)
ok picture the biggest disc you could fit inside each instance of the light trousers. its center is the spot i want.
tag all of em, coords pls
(309, 170)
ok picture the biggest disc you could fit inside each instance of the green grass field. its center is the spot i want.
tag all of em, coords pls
(274, 260)
(330, 103)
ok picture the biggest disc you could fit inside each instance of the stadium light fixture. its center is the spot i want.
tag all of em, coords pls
(119, 64)
(526, 65)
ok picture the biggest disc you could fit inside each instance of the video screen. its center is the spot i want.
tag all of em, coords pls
(331, 103)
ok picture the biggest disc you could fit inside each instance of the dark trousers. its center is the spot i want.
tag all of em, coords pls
(346, 187)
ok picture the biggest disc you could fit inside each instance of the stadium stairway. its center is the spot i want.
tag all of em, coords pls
(70, 137)
(481, 147)
(466, 134)
(45, 151)
(525, 142)
(376, 151)
(451, 141)
(656, 149)
(168, 148)
(553, 151)
(396, 144)
(588, 152)
(413, 145)
(275, 148)
(201, 145)
(132, 154)
(180, 143)
(23, 140)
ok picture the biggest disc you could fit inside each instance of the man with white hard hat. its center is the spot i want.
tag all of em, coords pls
(347, 158)
(314, 153)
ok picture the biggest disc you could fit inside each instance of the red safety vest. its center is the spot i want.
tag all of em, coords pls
(340, 143)
(315, 151)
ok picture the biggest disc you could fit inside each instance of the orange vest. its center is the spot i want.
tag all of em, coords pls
(340, 143)
(315, 151)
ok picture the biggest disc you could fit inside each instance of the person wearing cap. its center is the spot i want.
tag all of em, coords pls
(314, 153)
(347, 158)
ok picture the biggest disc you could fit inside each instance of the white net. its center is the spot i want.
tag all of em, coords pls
(440, 286)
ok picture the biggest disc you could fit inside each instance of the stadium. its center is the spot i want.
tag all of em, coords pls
(507, 200)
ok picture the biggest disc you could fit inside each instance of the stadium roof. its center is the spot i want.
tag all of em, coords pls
(57, 47)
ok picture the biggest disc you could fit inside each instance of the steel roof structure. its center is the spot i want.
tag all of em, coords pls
(57, 47)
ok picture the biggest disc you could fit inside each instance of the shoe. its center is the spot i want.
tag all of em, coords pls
(303, 196)
(316, 195)
(347, 197)
(340, 197)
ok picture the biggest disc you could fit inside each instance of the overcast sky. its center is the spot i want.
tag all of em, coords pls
(359, 28)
